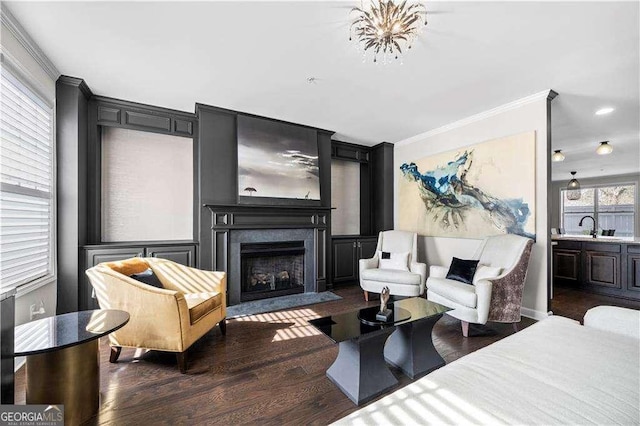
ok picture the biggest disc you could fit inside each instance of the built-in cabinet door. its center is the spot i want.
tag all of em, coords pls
(345, 260)
(367, 248)
(602, 269)
(633, 276)
(566, 266)
(96, 256)
(184, 255)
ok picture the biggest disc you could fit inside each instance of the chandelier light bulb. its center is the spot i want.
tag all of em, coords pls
(604, 148)
(557, 156)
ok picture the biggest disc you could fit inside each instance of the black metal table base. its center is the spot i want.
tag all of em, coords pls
(410, 348)
(360, 370)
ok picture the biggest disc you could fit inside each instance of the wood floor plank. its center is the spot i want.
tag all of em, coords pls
(269, 369)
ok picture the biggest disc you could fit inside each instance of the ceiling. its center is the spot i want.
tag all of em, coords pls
(256, 57)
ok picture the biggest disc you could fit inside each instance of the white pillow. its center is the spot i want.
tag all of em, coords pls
(398, 261)
(486, 272)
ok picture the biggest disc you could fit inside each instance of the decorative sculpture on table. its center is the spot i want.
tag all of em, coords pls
(384, 314)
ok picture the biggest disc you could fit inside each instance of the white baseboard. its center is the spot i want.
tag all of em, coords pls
(536, 315)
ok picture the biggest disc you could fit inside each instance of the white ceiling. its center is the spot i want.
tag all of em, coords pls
(256, 57)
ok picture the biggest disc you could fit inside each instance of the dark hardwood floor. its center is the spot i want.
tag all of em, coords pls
(269, 369)
(571, 303)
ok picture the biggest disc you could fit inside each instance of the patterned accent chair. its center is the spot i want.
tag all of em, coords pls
(167, 319)
(409, 282)
(496, 299)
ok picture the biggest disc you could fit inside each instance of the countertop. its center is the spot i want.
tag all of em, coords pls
(599, 239)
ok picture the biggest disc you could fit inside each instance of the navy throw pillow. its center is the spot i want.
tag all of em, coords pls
(462, 270)
(148, 277)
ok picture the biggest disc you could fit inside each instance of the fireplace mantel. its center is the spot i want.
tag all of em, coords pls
(227, 219)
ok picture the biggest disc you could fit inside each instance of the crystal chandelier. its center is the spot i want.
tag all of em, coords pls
(386, 29)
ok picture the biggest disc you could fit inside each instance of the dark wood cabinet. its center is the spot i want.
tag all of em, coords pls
(344, 260)
(184, 255)
(602, 269)
(347, 251)
(609, 268)
(566, 266)
(179, 253)
(633, 269)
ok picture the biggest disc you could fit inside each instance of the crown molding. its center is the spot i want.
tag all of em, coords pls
(76, 82)
(544, 95)
(153, 109)
(12, 24)
(381, 144)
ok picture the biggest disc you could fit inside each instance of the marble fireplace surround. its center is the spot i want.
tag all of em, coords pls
(234, 225)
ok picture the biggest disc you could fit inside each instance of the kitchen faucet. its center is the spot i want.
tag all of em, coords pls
(593, 232)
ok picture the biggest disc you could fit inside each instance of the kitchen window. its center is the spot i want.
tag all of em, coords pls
(612, 206)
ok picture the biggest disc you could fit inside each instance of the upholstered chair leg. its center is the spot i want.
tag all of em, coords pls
(515, 327)
(182, 361)
(223, 326)
(465, 328)
(115, 353)
(366, 296)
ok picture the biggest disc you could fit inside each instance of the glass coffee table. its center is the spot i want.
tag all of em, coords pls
(366, 346)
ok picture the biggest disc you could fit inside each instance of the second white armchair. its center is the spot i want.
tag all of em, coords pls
(394, 265)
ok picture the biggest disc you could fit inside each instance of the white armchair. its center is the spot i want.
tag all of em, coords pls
(408, 282)
(497, 299)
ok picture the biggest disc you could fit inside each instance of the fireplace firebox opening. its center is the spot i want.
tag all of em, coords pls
(271, 269)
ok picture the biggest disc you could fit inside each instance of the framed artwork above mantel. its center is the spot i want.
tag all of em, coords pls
(277, 163)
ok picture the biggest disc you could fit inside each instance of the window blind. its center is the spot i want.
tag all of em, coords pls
(26, 184)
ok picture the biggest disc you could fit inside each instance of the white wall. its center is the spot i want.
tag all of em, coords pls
(520, 116)
(27, 61)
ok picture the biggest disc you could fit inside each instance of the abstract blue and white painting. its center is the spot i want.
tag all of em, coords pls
(473, 192)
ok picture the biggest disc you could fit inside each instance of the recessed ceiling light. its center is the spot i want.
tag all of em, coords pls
(604, 111)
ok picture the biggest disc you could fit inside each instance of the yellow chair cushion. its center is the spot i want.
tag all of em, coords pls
(129, 267)
(200, 304)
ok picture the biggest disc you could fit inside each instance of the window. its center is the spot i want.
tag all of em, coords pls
(613, 207)
(26, 184)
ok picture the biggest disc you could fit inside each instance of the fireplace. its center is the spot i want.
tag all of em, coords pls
(270, 262)
(271, 269)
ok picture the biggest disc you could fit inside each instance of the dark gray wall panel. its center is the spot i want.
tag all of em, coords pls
(382, 187)
(148, 121)
(109, 115)
(218, 158)
(71, 154)
(324, 153)
(7, 322)
(183, 127)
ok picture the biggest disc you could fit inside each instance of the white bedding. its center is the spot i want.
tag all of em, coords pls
(554, 372)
